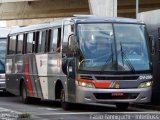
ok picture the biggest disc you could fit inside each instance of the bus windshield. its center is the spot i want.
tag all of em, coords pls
(2, 55)
(113, 47)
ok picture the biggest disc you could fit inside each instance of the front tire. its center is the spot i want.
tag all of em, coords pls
(122, 106)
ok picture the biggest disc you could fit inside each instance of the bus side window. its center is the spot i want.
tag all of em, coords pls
(24, 51)
(53, 40)
(12, 45)
(20, 44)
(42, 42)
(33, 43)
(48, 38)
(29, 42)
(36, 41)
(59, 41)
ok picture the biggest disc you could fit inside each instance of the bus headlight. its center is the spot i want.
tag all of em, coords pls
(85, 84)
(145, 84)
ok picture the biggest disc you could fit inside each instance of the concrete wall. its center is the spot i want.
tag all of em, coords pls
(49, 10)
(151, 18)
(26, 22)
(5, 1)
(42, 9)
(103, 7)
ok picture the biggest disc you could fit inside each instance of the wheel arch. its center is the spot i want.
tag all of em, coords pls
(58, 87)
(22, 80)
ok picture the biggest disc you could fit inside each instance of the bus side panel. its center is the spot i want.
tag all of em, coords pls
(42, 61)
(10, 74)
(32, 77)
(18, 72)
(53, 74)
(36, 78)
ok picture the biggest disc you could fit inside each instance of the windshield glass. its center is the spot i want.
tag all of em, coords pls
(102, 49)
(2, 55)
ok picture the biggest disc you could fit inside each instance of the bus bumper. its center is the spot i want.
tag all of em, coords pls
(93, 95)
(2, 84)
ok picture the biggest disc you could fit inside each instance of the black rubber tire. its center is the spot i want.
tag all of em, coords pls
(65, 105)
(122, 106)
(25, 98)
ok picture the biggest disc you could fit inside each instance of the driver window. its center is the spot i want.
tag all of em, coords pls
(68, 30)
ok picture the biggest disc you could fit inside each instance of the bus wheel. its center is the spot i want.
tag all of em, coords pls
(122, 106)
(24, 94)
(64, 104)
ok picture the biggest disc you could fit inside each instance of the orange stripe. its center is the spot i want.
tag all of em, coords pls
(29, 85)
(102, 83)
(98, 83)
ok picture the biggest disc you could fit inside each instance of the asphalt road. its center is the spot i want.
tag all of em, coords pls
(49, 110)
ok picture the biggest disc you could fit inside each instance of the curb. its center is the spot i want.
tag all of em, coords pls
(147, 106)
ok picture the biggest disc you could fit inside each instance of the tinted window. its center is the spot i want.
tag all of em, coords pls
(36, 41)
(53, 41)
(68, 30)
(29, 42)
(42, 42)
(59, 40)
(12, 45)
(20, 44)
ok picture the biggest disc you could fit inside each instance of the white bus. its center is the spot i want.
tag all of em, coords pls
(83, 59)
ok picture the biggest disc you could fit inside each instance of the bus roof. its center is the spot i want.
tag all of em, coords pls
(4, 31)
(106, 19)
(76, 19)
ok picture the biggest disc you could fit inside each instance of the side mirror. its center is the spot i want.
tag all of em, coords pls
(73, 44)
(152, 44)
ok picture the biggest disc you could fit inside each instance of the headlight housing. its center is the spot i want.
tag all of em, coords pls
(146, 84)
(85, 84)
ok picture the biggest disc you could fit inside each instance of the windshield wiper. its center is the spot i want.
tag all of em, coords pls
(110, 56)
(123, 55)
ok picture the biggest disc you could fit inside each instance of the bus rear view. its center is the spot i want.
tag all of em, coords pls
(113, 63)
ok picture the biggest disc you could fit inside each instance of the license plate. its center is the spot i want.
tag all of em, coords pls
(117, 94)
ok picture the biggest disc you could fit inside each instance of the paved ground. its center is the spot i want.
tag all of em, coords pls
(11, 106)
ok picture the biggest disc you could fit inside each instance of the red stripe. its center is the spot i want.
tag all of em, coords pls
(29, 85)
(98, 83)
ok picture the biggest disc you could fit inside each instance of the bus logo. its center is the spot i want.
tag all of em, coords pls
(117, 85)
(114, 84)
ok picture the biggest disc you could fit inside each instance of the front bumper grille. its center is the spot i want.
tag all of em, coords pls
(109, 96)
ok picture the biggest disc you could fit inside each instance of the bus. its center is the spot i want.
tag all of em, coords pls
(3, 41)
(81, 59)
(153, 26)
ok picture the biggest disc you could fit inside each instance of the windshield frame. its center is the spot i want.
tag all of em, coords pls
(115, 45)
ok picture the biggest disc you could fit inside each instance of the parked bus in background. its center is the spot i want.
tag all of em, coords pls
(3, 40)
(83, 59)
(153, 26)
